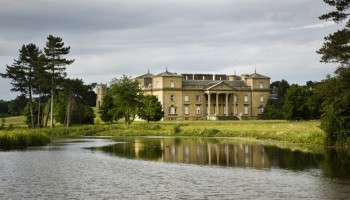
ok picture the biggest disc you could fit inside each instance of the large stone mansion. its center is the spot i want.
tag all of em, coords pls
(205, 96)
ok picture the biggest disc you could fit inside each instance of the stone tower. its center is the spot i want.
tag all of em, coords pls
(101, 90)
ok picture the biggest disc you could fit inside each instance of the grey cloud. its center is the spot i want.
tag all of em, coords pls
(109, 38)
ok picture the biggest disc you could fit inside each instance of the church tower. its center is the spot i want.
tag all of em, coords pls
(101, 90)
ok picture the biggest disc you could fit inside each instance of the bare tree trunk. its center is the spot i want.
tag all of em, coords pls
(31, 107)
(52, 101)
(48, 112)
(69, 109)
(39, 109)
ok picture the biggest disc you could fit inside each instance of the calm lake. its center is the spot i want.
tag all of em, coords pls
(173, 168)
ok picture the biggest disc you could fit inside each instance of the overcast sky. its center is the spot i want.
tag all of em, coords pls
(109, 38)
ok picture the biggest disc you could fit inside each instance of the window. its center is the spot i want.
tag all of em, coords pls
(246, 98)
(198, 110)
(156, 86)
(261, 98)
(246, 110)
(186, 97)
(172, 110)
(198, 98)
(172, 84)
(186, 110)
(261, 85)
(261, 110)
(172, 98)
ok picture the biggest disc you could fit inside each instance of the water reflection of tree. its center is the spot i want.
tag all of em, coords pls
(337, 163)
(296, 160)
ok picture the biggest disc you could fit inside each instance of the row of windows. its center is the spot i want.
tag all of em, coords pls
(198, 98)
(173, 110)
(172, 84)
(198, 110)
(186, 98)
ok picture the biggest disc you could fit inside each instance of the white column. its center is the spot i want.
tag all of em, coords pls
(217, 104)
(226, 104)
(209, 104)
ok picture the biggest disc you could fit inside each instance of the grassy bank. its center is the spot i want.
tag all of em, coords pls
(24, 137)
(295, 132)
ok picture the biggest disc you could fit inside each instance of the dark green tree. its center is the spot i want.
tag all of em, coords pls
(274, 108)
(4, 111)
(294, 105)
(22, 73)
(54, 52)
(107, 109)
(335, 91)
(127, 97)
(27, 113)
(151, 109)
(72, 107)
(16, 106)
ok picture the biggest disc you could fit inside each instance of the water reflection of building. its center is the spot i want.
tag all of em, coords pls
(241, 155)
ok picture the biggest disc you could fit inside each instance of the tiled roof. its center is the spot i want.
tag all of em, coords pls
(167, 73)
(148, 75)
(256, 75)
(209, 83)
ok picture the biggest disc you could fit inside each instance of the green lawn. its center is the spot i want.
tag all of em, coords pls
(307, 132)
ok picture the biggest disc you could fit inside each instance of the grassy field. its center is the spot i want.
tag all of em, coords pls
(307, 132)
(296, 132)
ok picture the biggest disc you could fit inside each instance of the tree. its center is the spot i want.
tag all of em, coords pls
(294, 107)
(274, 108)
(54, 52)
(106, 110)
(71, 106)
(151, 109)
(127, 97)
(335, 91)
(22, 73)
(301, 103)
(4, 111)
(16, 106)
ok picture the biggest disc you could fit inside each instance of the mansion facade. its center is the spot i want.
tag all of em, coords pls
(208, 96)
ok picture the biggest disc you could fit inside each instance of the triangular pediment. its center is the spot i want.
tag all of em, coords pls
(220, 86)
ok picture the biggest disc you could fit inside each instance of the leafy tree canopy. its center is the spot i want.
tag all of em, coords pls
(127, 97)
(151, 109)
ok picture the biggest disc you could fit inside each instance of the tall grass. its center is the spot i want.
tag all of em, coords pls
(23, 138)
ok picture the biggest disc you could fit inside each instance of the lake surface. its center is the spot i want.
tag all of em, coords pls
(173, 168)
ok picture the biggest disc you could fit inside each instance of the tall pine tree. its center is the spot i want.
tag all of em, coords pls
(335, 91)
(54, 52)
(22, 73)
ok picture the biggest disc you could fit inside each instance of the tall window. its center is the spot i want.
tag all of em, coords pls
(186, 97)
(172, 110)
(157, 83)
(186, 110)
(198, 110)
(261, 98)
(172, 98)
(246, 110)
(261, 85)
(261, 110)
(198, 98)
(246, 98)
(172, 84)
